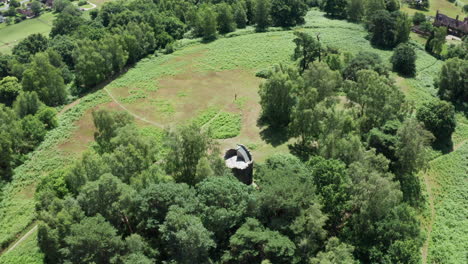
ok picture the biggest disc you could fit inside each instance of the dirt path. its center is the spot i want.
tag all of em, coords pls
(131, 113)
(429, 184)
(34, 228)
(425, 247)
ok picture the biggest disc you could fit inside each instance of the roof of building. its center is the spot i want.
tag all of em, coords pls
(238, 158)
(446, 21)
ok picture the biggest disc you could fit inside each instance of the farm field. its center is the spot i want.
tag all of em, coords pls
(10, 35)
(215, 84)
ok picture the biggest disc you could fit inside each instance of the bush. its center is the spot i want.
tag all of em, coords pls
(418, 18)
(82, 2)
(404, 60)
(439, 118)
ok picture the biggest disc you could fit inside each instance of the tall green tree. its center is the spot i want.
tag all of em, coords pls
(240, 14)
(376, 97)
(335, 252)
(10, 88)
(92, 240)
(225, 18)
(453, 80)
(208, 24)
(436, 41)
(42, 77)
(404, 60)
(185, 238)
(439, 118)
(225, 202)
(27, 103)
(33, 132)
(28, 47)
(335, 8)
(261, 14)
(106, 124)
(276, 95)
(287, 13)
(308, 49)
(355, 10)
(271, 245)
(186, 147)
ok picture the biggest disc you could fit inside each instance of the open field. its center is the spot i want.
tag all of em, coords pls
(443, 6)
(10, 35)
(215, 84)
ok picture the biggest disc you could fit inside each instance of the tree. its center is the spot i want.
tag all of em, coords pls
(92, 240)
(65, 24)
(355, 10)
(33, 132)
(403, 28)
(89, 62)
(240, 14)
(335, 252)
(208, 24)
(307, 50)
(404, 60)
(377, 98)
(373, 6)
(262, 14)
(6, 156)
(335, 8)
(419, 18)
(333, 185)
(253, 243)
(107, 197)
(276, 95)
(185, 238)
(48, 116)
(436, 41)
(115, 57)
(439, 118)
(60, 5)
(287, 13)
(225, 202)
(36, 8)
(27, 103)
(42, 77)
(10, 88)
(364, 60)
(186, 147)
(28, 47)
(383, 29)
(154, 202)
(225, 19)
(107, 123)
(452, 80)
(411, 147)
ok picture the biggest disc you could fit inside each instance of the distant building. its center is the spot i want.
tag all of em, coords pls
(240, 161)
(27, 12)
(454, 26)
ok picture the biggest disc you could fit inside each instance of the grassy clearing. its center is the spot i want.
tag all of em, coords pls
(443, 6)
(10, 35)
(26, 252)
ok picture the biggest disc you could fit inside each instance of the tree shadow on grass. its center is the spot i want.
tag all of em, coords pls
(443, 145)
(273, 135)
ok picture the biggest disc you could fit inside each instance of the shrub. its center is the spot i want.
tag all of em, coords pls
(404, 60)
(418, 18)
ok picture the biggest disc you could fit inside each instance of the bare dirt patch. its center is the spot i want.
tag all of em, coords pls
(83, 135)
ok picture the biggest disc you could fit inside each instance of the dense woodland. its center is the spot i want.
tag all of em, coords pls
(347, 193)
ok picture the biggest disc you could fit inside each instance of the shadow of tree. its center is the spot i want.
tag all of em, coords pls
(274, 135)
(444, 145)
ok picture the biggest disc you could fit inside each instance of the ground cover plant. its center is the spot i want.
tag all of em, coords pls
(168, 90)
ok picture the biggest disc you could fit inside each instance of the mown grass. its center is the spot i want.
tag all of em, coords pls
(443, 6)
(11, 35)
